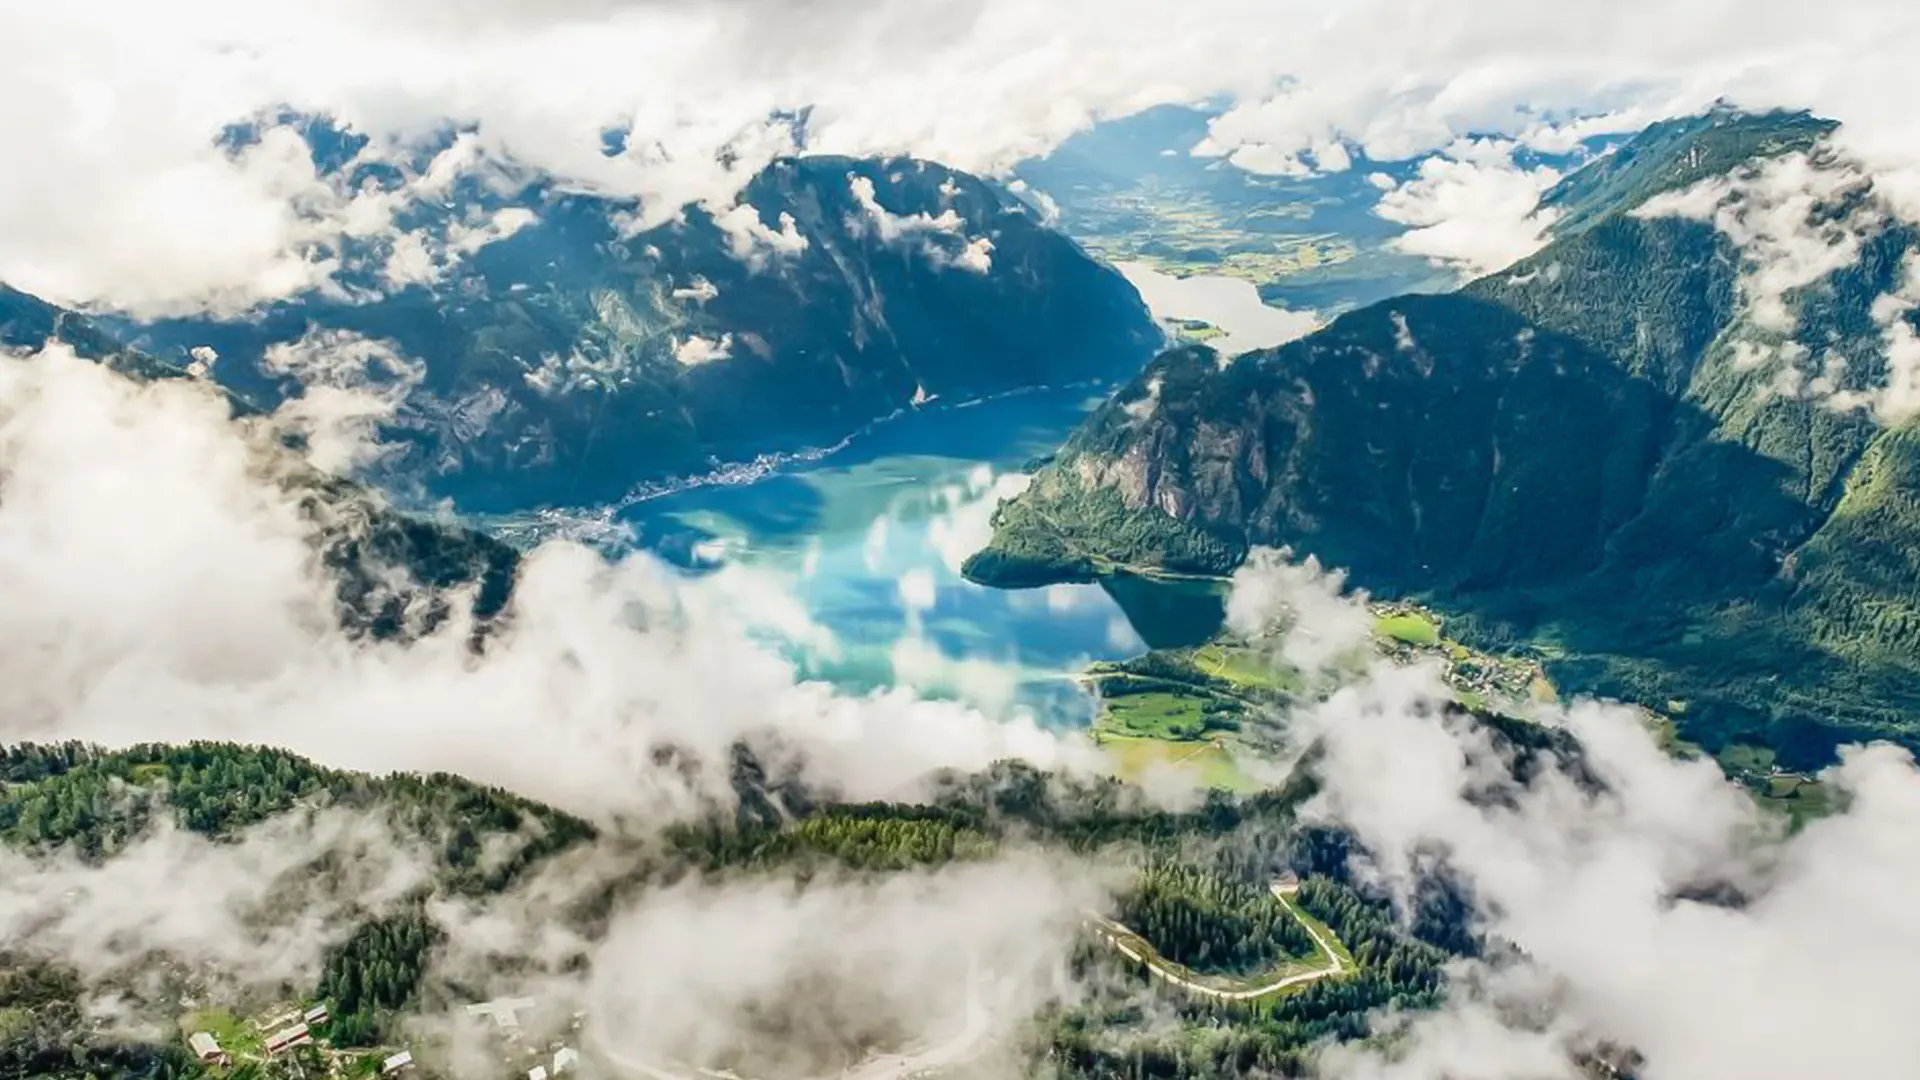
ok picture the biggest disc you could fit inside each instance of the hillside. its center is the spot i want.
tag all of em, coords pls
(570, 362)
(356, 533)
(1595, 451)
(1199, 892)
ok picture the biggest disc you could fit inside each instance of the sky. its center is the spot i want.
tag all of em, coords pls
(119, 198)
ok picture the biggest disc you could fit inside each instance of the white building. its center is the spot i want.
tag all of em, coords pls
(564, 1059)
(287, 1039)
(397, 1062)
(505, 1011)
(206, 1048)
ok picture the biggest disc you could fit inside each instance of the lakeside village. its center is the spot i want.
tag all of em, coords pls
(293, 1042)
(1407, 632)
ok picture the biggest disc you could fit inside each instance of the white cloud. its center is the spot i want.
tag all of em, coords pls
(1034, 197)
(1590, 885)
(423, 257)
(347, 386)
(213, 619)
(956, 959)
(974, 256)
(1471, 208)
(918, 591)
(697, 350)
(1777, 215)
(700, 292)
(1899, 399)
(114, 105)
(963, 520)
(753, 241)
(1143, 407)
(772, 975)
(1332, 157)
(1301, 607)
(253, 914)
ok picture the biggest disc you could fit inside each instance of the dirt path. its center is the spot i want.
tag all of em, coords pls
(1163, 969)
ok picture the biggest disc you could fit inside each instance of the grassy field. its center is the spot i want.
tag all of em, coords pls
(1207, 764)
(1244, 667)
(1159, 715)
(235, 1036)
(1413, 627)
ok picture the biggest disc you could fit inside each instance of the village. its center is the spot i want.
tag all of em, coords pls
(1407, 632)
(292, 1041)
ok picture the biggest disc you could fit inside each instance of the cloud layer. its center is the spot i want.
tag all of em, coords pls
(1666, 912)
(128, 202)
(163, 585)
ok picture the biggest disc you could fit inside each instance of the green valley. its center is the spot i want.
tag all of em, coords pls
(1586, 455)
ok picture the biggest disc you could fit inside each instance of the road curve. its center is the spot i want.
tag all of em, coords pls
(1161, 969)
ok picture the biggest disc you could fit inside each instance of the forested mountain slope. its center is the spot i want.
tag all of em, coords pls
(67, 811)
(357, 535)
(572, 360)
(1627, 448)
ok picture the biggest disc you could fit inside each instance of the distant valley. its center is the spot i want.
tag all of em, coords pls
(1624, 451)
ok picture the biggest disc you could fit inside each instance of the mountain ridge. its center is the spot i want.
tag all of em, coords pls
(1578, 452)
(568, 362)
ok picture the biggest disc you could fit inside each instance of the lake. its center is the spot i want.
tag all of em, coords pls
(869, 540)
(1228, 303)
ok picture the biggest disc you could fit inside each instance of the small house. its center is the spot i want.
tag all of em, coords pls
(397, 1062)
(316, 1015)
(206, 1049)
(288, 1038)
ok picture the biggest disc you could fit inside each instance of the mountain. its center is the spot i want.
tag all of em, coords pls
(569, 362)
(28, 322)
(1612, 452)
(357, 534)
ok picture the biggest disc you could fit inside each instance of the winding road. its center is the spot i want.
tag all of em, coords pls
(1118, 936)
(967, 1042)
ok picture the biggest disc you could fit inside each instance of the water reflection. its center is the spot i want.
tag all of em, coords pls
(870, 543)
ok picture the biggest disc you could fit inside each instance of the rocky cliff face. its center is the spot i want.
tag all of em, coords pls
(1628, 446)
(570, 362)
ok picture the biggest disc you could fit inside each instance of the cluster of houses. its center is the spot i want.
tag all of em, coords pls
(295, 1028)
(282, 1033)
(1491, 677)
(505, 1014)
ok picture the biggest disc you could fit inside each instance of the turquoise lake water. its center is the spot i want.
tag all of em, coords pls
(869, 541)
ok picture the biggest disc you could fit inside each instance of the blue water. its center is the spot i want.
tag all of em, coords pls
(869, 541)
